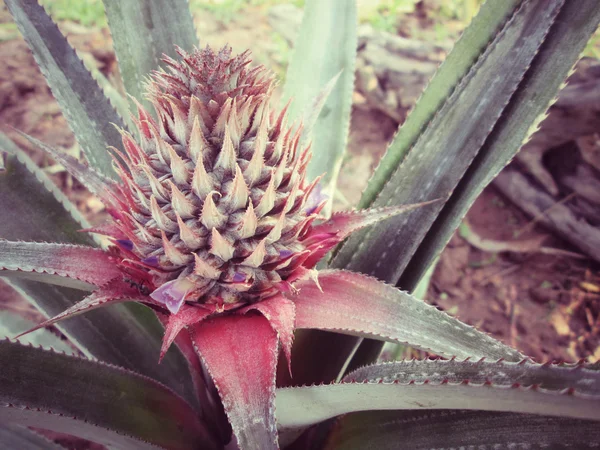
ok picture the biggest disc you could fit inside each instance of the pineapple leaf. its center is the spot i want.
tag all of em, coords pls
(95, 401)
(362, 306)
(566, 37)
(15, 436)
(243, 371)
(41, 212)
(477, 37)
(565, 41)
(444, 430)
(61, 264)
(461, 131)
(524, 387)
(143, 32)
(12, 324)
(460, 128)
(95, 182)
(87, 110)
(326, 45)
(116, 291)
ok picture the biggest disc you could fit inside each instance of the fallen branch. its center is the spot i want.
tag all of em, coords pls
(544, 208)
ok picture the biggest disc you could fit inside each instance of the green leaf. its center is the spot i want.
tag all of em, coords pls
(95, 401)
(477, 37)
(450, 142)
(445, 430)
(88, 112)
(325, 47)
(567, 38)
(12, 324)
(126, 335)
(21, 438)
(448, 145)
(143, 31)
(525, 387)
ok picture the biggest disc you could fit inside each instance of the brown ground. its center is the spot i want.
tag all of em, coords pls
(546, 305)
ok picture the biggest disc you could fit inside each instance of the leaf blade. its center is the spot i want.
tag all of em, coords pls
(454, 429)
(58, 261)
(426, 384)
(475, 39)
(143, 31)
(88, 112)
(12, 324)
(14, 436)
(558, 54)
(461, 127)
(244, 374)
(130, 405)
(314, 65)
(359, 305)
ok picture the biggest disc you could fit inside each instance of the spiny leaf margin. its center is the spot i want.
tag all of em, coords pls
(87, 110)
(125, 403)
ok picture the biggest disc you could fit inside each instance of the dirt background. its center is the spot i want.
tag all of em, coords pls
(544, 304)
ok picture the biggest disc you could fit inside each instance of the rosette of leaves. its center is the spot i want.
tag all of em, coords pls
(219, 218)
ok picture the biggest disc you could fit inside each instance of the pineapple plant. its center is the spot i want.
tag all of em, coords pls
(220, 229)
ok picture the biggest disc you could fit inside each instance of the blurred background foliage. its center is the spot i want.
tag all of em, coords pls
(445, 18)
(381, 14)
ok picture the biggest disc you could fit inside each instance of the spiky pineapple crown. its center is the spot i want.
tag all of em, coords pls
(215, 203)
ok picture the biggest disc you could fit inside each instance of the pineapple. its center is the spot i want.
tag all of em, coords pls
(214, 203)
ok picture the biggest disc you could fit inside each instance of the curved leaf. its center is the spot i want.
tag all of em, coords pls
(126, 335)
(566, 40)
(460, 128)
(21, 438)
(102, 403)
(143, 32)
(325, 46)
(447, 133)
(86, 267)
(483, 29)
(567, 391)
(445, 430)
(97, 184)
(12, 324)
(88, 112)
(40, 211)
(356, 304)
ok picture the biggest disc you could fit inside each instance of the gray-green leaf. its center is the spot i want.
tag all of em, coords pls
(143, 31)
(88, 112)
(565, 41)
(446, 430)
(95, 401)
(21, 438)
(446, 148)
(12, 324)
(325, 47)
(555, 390)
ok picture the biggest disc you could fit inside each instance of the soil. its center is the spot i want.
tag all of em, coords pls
(544, 304)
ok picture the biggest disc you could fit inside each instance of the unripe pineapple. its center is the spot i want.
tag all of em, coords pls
(215, 201)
